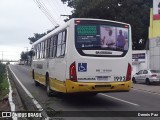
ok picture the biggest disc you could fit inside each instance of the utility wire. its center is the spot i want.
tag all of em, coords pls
(46, 12)
(58, 7)
(41, 8)
(42, 5)
(52, 6)
(54, 10)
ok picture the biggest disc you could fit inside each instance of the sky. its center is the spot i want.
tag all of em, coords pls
(20, 19)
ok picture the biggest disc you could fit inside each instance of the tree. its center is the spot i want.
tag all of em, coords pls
(36, 37)
(24, 56)
(134, 12)
(31, 53)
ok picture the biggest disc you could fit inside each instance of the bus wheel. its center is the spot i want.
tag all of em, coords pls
(49, 91)
(134, 80)
(33, 74)
(36, 83)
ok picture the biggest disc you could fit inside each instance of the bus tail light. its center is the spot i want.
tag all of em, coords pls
(72, 72)
(77, 21)
(129, 70)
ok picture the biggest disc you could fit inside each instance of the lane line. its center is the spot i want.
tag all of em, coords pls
(10, 98)
(150, 92)
(39, 107)
(119, 99)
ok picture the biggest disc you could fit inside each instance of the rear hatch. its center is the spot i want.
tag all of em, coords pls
(102, 48)
(95, 70)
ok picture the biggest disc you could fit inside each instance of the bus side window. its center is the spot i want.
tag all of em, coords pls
(48, 47)
(43, 50)
(35, 48)
(54, 46)
(38, 51)
(59, 43)
(51, 47)
(45, 56)
(63, 43)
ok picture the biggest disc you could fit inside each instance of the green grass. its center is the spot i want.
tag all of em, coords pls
(4, 86)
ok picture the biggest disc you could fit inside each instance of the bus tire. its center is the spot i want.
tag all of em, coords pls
(134, 80)
(49, 91)
(33, 76)
(36, 83)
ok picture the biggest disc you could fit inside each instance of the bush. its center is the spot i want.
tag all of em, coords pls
(2, 73)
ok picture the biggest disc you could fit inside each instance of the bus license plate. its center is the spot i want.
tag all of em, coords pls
(103, 78)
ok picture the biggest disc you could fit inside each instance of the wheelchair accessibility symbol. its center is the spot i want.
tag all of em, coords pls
(82, 67)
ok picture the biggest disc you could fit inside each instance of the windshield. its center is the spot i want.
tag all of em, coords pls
(101, 38)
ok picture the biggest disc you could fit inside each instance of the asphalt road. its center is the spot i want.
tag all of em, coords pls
(135, 100)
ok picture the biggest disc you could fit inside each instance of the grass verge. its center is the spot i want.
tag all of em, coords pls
(4, 89)
(4, 86)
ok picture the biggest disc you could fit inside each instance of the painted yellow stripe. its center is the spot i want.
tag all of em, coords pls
(58, 85)
(40, 78)
(55, 85)
(91, 87)
(69, 86)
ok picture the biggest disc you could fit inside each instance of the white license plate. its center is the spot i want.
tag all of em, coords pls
(103, 77)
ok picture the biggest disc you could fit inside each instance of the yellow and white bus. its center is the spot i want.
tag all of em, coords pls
(84, 56)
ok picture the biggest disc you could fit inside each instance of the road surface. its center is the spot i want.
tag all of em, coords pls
(135, 100)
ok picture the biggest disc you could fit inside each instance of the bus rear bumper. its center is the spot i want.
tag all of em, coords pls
(73, 87)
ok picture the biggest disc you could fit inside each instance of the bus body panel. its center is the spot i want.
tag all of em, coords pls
(80, 87)
(94, 74)
(108, 73)
(39, 66)
(97, 67)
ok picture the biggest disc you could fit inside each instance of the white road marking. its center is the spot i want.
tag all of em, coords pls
(10, 98)
(119, 99)
(146, 91)
(39, 107)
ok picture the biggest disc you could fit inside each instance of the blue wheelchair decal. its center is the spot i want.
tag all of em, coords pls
(82, 67)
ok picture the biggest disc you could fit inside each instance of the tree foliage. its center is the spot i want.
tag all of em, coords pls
(37, 36)
(27, 56)
(24, 56)
(134, 12)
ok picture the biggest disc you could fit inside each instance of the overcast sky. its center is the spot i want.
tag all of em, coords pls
(20, 19)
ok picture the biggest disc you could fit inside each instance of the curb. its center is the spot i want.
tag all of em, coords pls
(26, 101)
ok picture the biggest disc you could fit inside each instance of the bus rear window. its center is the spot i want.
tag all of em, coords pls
(101, 38)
